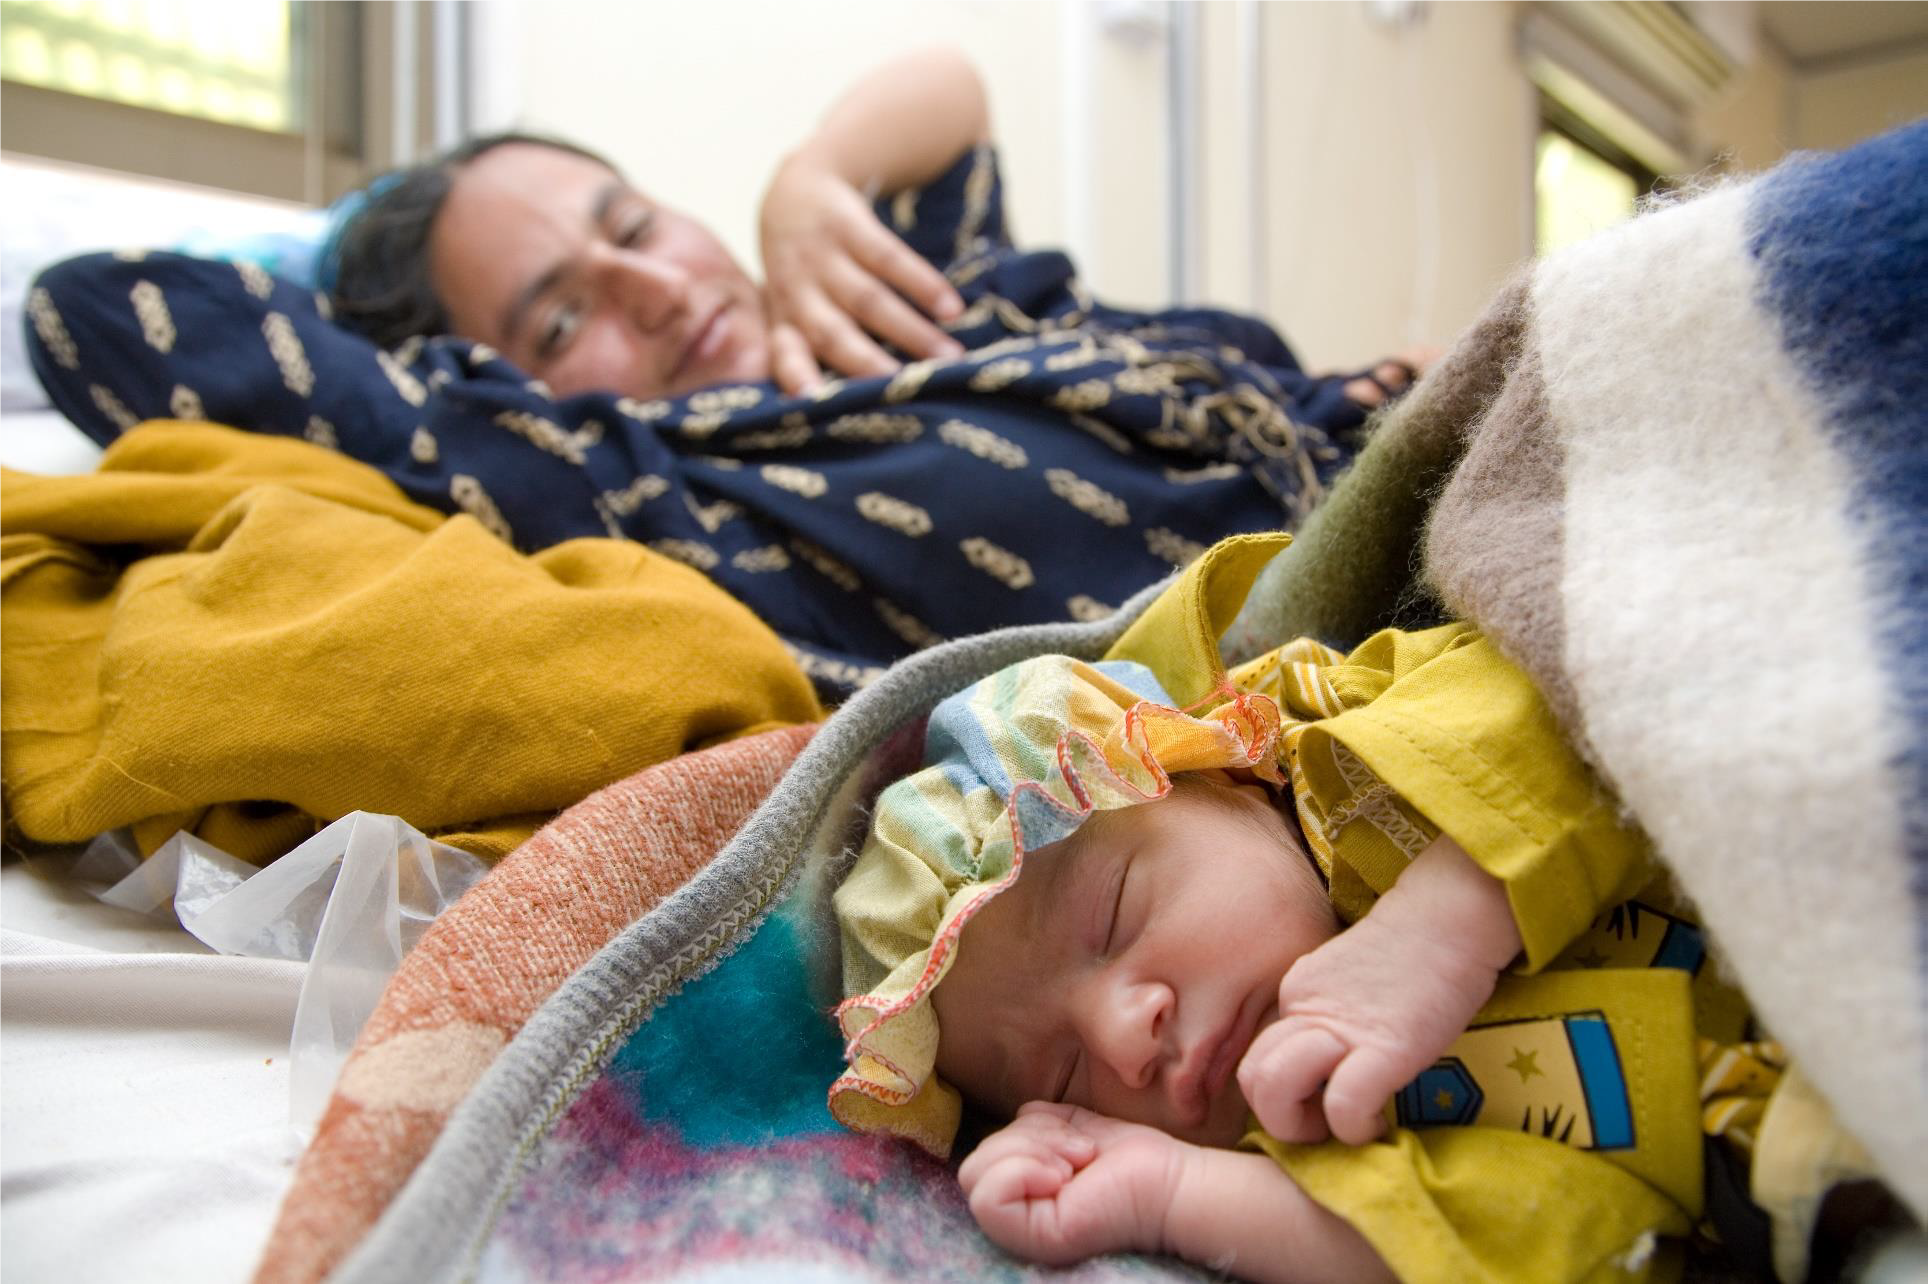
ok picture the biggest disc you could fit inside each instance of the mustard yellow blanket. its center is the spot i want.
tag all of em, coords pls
(245, 635)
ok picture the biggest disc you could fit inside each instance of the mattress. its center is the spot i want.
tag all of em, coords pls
(145, 1109)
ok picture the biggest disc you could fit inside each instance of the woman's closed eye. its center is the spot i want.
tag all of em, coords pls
(633, 229)
(559, 329)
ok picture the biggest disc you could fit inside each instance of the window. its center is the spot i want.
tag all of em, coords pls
(1582, 183)
(228, 60)
(296, 99)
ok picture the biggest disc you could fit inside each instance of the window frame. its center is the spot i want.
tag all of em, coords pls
(352, 134)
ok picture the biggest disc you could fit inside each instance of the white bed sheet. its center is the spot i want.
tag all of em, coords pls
(144, 1127)
(44, 441)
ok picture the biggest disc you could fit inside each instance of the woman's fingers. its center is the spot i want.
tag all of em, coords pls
(884, 255)
(834, 336)
(1391, 376)
(1364, 392)
(791, 362)
(883, 313)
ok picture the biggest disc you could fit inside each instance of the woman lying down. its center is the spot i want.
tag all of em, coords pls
(1359, 975)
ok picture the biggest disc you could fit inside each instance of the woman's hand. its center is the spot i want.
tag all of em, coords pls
(1060, 1184)
(1392, 376)
(837, 280)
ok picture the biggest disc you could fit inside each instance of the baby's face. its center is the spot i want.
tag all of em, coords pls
(1129, 967)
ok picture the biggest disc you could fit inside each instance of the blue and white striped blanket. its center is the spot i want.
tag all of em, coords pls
(1689, 494)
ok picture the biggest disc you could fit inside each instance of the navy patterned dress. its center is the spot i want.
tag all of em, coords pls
(1074, 454)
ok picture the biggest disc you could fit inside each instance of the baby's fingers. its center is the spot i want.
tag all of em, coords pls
(1356, 1094)
(1036, 1170)
(1002, 1196)
(1047, 1140)
(1281, 1077)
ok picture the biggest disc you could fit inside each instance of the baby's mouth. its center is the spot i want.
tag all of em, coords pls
(1210, 1070)
(1224, 1063)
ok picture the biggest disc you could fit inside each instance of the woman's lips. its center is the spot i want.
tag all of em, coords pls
(710, 341)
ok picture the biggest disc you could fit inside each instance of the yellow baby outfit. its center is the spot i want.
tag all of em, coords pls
(1591, 1046)
(1560, 1138)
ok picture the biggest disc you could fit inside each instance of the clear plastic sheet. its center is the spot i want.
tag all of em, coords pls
(349, 902)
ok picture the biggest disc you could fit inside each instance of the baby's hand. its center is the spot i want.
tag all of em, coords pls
(1060, 1184)
(1363, 1014)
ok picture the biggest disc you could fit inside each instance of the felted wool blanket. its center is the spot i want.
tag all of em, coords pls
(1678, 473)
(248, 636)
(1685, 487)
(663, 1113)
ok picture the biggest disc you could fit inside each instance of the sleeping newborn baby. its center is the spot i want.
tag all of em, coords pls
(1139, 976)
(1339, 980)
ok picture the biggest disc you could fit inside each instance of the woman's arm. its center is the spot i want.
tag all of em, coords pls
(903, 124)
(835, 275)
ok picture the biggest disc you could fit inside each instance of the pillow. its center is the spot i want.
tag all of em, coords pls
(54, 211)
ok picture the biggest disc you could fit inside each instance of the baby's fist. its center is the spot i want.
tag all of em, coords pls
(1060, 1184)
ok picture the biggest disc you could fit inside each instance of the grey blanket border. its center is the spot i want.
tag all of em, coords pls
(1353, 567)
(440, 1222)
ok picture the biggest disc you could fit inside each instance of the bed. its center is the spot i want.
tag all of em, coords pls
(1611, 528)
(1574, 478)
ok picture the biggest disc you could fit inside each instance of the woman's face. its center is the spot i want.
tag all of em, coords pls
(581, 280)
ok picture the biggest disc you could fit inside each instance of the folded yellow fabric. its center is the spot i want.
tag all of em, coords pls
(243, 635)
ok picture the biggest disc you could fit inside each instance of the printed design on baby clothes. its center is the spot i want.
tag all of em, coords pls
(1555, 1077)
(1635, 934)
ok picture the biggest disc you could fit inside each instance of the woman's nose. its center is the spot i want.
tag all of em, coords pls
(1130, 1028)
(650, 288)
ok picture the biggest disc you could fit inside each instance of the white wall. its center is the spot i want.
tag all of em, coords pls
(698, 101)
(1393, 162)
(1396, 162)
(1750, 125)
(1776, 106)
(1399, 183)
(1835, 106)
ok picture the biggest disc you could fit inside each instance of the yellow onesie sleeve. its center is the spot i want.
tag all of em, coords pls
(1462, 1205)
(1414, 733)
(1558, 1139)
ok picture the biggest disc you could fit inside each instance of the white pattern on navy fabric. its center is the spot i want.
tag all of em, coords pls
(285, 346)
(150, 308)
(51, 329)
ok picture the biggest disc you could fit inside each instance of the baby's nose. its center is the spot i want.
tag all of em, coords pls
(1133, 1037)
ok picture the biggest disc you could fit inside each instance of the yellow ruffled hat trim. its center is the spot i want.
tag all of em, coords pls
(1015, 763)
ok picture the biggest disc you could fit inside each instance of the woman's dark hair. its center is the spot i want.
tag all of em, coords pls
(378, 256)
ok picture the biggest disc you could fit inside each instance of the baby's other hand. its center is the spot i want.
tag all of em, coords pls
(1359, 1018)
(1060, 1184)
